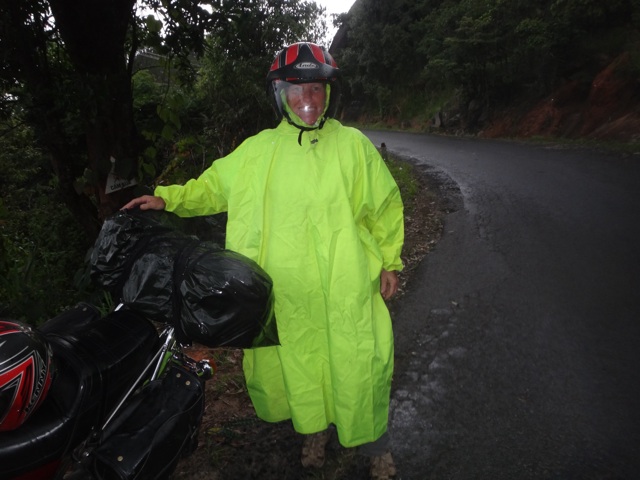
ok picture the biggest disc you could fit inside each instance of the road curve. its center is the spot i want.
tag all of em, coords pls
(518, 340)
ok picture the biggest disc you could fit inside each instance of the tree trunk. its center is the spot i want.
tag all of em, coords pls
(94, 32)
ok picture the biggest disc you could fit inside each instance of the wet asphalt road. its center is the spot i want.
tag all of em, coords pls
(518, 341)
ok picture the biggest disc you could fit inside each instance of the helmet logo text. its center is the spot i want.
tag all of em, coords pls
(306, 66)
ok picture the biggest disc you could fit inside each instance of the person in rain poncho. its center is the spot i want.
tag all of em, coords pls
(313, 203)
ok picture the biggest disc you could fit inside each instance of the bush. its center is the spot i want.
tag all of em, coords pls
(41, 244)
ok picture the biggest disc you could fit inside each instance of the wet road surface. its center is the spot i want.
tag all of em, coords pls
(518, 340)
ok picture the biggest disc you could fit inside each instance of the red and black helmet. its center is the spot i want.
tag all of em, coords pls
(304, 62)
(25, 372)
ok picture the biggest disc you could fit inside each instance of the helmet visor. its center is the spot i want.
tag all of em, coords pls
(305, 104)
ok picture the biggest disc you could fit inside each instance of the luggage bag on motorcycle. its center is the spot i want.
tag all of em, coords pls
(212, 296)
(154, 431)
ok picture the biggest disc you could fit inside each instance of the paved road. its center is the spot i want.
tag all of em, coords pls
(518, 342)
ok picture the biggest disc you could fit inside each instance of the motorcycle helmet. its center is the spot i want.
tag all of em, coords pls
(25, 372)
(301, 63)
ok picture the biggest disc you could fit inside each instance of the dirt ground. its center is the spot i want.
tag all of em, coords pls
(602, 108)
(235, 444)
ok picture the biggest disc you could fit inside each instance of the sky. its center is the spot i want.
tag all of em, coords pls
(334, 6)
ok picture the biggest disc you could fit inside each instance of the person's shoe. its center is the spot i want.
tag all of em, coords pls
(382, 467)
(313, 449)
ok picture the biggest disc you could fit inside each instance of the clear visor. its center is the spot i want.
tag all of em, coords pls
(304, 103)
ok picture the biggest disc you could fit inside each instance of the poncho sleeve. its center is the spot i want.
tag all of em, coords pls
(382, 208)
(206, 195)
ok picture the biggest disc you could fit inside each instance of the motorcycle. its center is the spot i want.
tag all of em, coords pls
(126, 402)
(115, 396)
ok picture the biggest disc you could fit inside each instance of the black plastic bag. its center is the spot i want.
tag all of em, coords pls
(124, 237)
(212, 296)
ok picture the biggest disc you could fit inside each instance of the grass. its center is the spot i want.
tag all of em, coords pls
(403, 174)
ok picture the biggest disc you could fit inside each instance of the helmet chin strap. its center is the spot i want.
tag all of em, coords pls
(304, 129)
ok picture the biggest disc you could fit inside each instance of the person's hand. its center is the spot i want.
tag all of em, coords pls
(146, 202)
(388, 284)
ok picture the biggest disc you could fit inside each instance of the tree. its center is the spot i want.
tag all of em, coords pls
(76, 89)
(69, 64)
(399, 55)
(231, 101)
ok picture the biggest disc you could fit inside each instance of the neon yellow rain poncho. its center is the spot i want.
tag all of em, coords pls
(322, 218)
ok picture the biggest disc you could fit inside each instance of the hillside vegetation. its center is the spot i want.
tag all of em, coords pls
(563, 68)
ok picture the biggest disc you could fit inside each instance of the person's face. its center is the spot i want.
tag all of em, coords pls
(306, 100)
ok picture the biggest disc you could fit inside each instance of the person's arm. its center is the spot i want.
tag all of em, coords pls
(384, 220)
(146, 202)
(388, 284)
(378, 204)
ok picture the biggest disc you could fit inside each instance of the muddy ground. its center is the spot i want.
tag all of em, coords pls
(235, 444)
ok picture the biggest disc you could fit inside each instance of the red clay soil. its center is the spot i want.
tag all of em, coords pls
(607, 108)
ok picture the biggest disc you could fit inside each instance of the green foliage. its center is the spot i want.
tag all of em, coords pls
(196, 90)
(72, 81)
(490, 51)
(41, 245)
(228, 102)
(404, 175)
